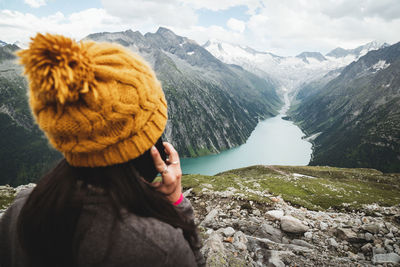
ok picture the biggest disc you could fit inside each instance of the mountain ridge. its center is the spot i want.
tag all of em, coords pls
(290, 72)
(180, 61)
(356, 114)
(212, 106)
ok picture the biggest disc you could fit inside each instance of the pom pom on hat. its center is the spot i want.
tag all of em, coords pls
(61, 67)
(98, 103)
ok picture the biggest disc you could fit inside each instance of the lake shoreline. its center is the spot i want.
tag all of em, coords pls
(274, 141)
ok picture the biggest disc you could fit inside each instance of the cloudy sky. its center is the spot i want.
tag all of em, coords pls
(283, 27)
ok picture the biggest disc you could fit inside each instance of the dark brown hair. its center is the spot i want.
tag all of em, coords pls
(48, 220)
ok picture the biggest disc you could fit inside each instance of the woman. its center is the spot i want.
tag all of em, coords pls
(103, 108)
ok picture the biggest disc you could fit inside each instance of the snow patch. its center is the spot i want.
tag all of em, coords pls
(380, 65)
(298, 175)
(4, 109)
(291, 72)
(312, 137)
(190, 53)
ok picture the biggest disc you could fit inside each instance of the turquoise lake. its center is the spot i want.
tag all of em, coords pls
(274, 141)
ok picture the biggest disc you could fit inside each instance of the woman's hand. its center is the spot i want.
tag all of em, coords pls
(170, 171)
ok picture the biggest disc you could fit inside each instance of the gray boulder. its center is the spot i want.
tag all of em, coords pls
(274, 215)
(268, 231)
(292, 225)
(386, 258)
(209, 220)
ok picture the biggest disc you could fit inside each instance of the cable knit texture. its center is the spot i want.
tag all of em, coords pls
(98, 103)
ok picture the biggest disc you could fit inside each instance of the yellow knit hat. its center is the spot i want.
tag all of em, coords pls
(98, 103)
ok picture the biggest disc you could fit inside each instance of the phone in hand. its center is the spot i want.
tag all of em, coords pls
(144, 164)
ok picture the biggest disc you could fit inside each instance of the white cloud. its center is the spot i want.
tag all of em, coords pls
(172, 13)
(236, 25)
(384, 9)
(285, 27)
(289, 26)
(224, 4)
(203, 34)
(35, 3)
(21, 26)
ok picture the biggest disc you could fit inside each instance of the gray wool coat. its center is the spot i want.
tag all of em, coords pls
(107, 241)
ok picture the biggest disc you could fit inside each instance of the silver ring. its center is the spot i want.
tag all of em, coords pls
(165, 170)
(175, 162)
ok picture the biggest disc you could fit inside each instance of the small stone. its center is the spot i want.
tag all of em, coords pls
(387, 242)
(371, 227)
(369, 236)
(323, 226)
(332, 242)
(346, 234)
(383, 230)
(386, 258)
(389, 248)
(228, 239)
(229, 231)
(308, 235)
(390, 235)
(256, 212)
(274, 199)
(274, 215)
(367, 248)
(268, 231)
(274, 260)
(345, 247)
(302, 243)
(213, 247)
(209, 231)
(351, 255)
(357, 222)
(378, 250)
(210, 218)
(240, 241)
(360, 257)
(292, 225)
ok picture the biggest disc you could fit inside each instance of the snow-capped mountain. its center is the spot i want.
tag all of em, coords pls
(22, 45)
(317, 55)
(291, 72)
(356, 52)
(2, 43)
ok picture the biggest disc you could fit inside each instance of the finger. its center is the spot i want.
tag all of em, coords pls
(155, 184)
(171, 152)
(158, 162)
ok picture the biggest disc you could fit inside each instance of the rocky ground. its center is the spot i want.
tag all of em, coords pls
(245, 221)
(292, 216)
(237, 232)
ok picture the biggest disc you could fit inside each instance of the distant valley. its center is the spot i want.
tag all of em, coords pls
(346, 101)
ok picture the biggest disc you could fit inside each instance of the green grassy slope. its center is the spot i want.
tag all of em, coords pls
(312, 187)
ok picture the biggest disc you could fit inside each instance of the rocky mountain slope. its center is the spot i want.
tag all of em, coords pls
(293, 216)
(24, 153)
(355, 117)
(291, 72)
(213, 106)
